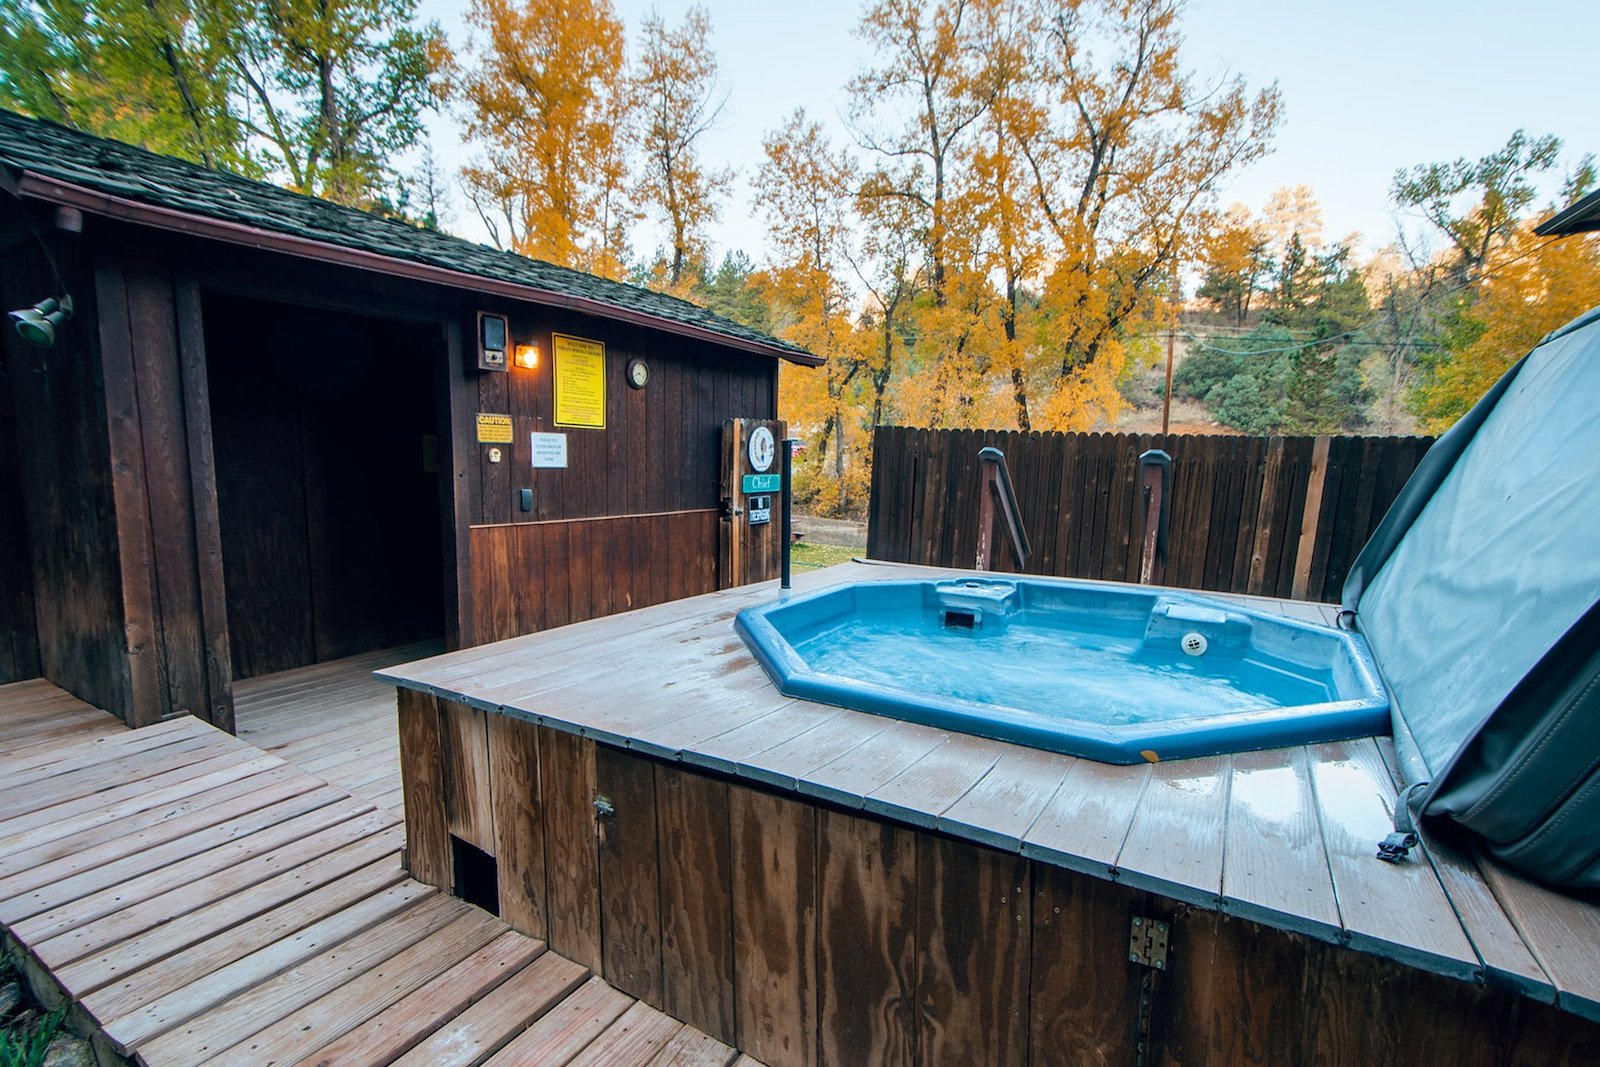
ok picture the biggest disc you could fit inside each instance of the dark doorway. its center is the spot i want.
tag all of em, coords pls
(324, 428)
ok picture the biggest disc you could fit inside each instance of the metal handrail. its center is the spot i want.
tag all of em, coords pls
(994, 487)
(1155, 477)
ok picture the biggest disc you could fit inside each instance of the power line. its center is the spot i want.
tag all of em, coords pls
(1343, 338)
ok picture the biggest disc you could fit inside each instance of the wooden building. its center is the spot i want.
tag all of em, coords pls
(275, 431)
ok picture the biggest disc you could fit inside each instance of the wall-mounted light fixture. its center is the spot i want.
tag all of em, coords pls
(527, 356)
(38, 325)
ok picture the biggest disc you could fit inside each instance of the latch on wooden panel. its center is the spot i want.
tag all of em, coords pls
(603, 805)
(1148, 945)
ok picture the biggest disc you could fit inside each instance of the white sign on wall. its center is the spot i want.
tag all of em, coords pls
(549, 450)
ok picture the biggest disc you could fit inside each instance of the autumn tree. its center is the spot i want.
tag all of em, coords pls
(543, 93)
(677, 102)
(803, 190)
(1237, 264)
(1495, 289)
(1532, 286)
(1125, 173)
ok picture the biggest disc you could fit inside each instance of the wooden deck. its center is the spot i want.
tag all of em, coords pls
(332, 719)
(1284, 838)
(193, 900)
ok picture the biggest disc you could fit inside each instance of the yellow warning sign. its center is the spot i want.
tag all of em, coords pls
(580, 382)
(494, 429)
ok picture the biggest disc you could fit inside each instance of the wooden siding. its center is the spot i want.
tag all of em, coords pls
(1281, 516)
(19, 630)
(64, 478)
(128, 471)
(659, 449)
(329, 511)
(527, 577)
(805, 934)
(153, 362)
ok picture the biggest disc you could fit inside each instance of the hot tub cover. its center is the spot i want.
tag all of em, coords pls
(1479, 595)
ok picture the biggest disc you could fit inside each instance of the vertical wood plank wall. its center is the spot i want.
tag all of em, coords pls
(19, 630)
(533, 576)
(153, 360)
(808, 935)
(63, 478)
(632, 520)
(1281, 516)
(111, 579)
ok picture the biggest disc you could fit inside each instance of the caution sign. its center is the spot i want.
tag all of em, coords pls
(580, 382)
(494, 429)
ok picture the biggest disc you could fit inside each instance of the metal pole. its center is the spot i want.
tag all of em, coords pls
(788, 499)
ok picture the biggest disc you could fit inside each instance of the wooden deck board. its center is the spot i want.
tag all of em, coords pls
(401, 1026)
(1284, 838)
(218, 905)
(1175, 844)
(1274, 869)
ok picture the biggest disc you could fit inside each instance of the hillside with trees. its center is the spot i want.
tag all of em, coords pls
(1025, 212)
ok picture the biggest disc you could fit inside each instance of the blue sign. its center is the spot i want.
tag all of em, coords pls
(763, 483)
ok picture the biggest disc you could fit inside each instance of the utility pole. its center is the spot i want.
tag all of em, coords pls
(1166, 394)
(1172, 334)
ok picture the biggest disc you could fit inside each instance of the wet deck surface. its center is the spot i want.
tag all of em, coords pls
(202, 901)
(1285, 837)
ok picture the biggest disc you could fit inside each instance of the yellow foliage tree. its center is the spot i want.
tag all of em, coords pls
(1125, 167)
(1531, 285)
(544, 101)
(804, 190)
(1236, 263)
(1059, 162)
(676, 82)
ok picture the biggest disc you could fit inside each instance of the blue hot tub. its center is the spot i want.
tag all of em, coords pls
(1115, 674)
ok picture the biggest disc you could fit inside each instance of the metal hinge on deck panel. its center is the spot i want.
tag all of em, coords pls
(1148, 944)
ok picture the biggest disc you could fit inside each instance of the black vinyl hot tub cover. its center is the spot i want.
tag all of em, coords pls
(1479, 595)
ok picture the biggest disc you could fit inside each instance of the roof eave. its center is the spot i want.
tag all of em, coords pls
(1580, 217)
(37, 186)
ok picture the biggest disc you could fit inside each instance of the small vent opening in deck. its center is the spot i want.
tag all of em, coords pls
(477, 875)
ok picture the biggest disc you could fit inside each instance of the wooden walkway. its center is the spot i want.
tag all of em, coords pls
(1284, 837)
(332, 719)
(196, 900)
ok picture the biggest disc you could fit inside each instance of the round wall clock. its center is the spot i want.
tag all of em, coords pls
(761, 448)
(638, 373)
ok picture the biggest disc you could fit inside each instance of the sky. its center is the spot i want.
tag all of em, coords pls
(1367, 88)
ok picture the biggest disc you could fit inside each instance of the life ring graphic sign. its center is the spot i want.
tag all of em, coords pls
(761, 448)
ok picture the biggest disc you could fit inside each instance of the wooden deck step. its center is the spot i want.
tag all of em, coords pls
(194, 901)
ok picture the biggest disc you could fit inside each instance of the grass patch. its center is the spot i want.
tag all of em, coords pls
(25, 1032)
(809, 557)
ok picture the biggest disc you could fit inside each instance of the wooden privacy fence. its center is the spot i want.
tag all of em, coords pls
(1278, 516)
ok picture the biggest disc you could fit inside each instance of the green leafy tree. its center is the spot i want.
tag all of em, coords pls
(1475, 204)
(336, 88)
(321, 93)
(156, 73)
(734, 290)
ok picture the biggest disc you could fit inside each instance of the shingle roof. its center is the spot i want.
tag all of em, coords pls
(47, 156)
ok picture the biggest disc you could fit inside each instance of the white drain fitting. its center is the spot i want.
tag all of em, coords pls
(1195, 644)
